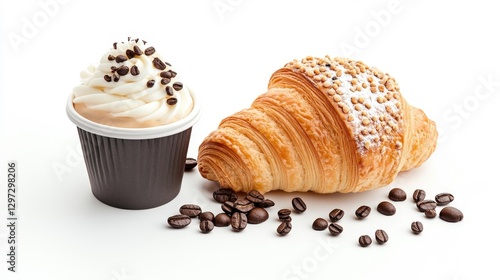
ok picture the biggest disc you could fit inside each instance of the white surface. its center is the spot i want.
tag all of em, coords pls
(443, 54)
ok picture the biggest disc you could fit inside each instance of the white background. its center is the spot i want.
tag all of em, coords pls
(444, 56)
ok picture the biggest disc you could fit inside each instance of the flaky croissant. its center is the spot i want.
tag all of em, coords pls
(325, 125)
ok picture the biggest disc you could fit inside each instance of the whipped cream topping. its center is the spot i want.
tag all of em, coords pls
(132, 86)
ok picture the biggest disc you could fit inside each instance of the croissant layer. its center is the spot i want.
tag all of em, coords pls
(324, 125)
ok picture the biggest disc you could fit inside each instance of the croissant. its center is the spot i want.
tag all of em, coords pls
(324, 125)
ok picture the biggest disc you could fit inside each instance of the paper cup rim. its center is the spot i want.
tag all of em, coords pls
(134, 133)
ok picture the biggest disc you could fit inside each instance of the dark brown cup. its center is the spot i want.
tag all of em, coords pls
(134, 168)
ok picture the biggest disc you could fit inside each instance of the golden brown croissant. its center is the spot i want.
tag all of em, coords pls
(324, 125)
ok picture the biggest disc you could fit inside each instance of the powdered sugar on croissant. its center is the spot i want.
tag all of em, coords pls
(324, 125)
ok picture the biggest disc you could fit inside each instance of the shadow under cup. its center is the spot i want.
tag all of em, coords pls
(134, 168)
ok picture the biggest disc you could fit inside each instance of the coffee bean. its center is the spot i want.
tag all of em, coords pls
(286, 219)
(418, 195)
(417, 227)
(243, 205)
(298, 204)
(158, 64)
(381, 236)
(228, 207)
(120, 58)
(191, 210)
(137, 50)
(107, 78)
(206, 216)
(363, 211)
(266, 203)
(284, 228)
(431, 213)
(206, 226)
(179, 221)
(165, 81)
(111, 57)
(320, 224)
(365, 240)
(257, 215)
(239, 221)
(225, 194)
(177, 86)
(424, 205)
(190, 164)
(451, 214)
(169, 91)
(284, 213)
(255, 196)
(149, 51)
(150, 83)
(335, 229)
(134, 70)
(397, 194)
(386, 208)
(130, 53)
(444, 198)
(166, 74)
(222, 220)
(336, 214)
(172, 101)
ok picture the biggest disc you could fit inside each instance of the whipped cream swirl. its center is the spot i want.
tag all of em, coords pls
(132, 82)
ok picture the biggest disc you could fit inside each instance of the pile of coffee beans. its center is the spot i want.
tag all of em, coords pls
(239, 211)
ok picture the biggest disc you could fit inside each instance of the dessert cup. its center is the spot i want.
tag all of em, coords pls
(135, 168)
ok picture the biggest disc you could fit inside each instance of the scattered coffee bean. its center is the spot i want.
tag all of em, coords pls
(179, 221)
(444, 198)
(190, 164)
(255, 196)
(134, 70)
(336, 214)
(158, 64)
(335, 229)
(417, 227)
(284, 213)
(451, 214)
(365, 240)
(137, 50)
(169, 91)
(149, 51)
(418, 195)
(266, 203)
(239, 221)
(166, 74)
(122, 70)
(386, 208)
(381, 236)
(130, 53)
(363, 211)
(225, 194)
(206, 226)
(111, 57)
(243, 205)
(431, 213)
(107, 78)
(191, 210)
(222, 220)
(257, 215)
(424, 205)
(177, 86)
(298, 204)
(206, 216)
(286, 219)
(150, 83)
(164, 81)
(172, 101)
(397, 194)
(320, 224)
(284, 228)
(120, 58)
(228, 207)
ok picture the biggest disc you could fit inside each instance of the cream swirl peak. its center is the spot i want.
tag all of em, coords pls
(132, 86)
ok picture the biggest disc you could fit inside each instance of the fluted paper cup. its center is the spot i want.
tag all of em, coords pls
(135, 168)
